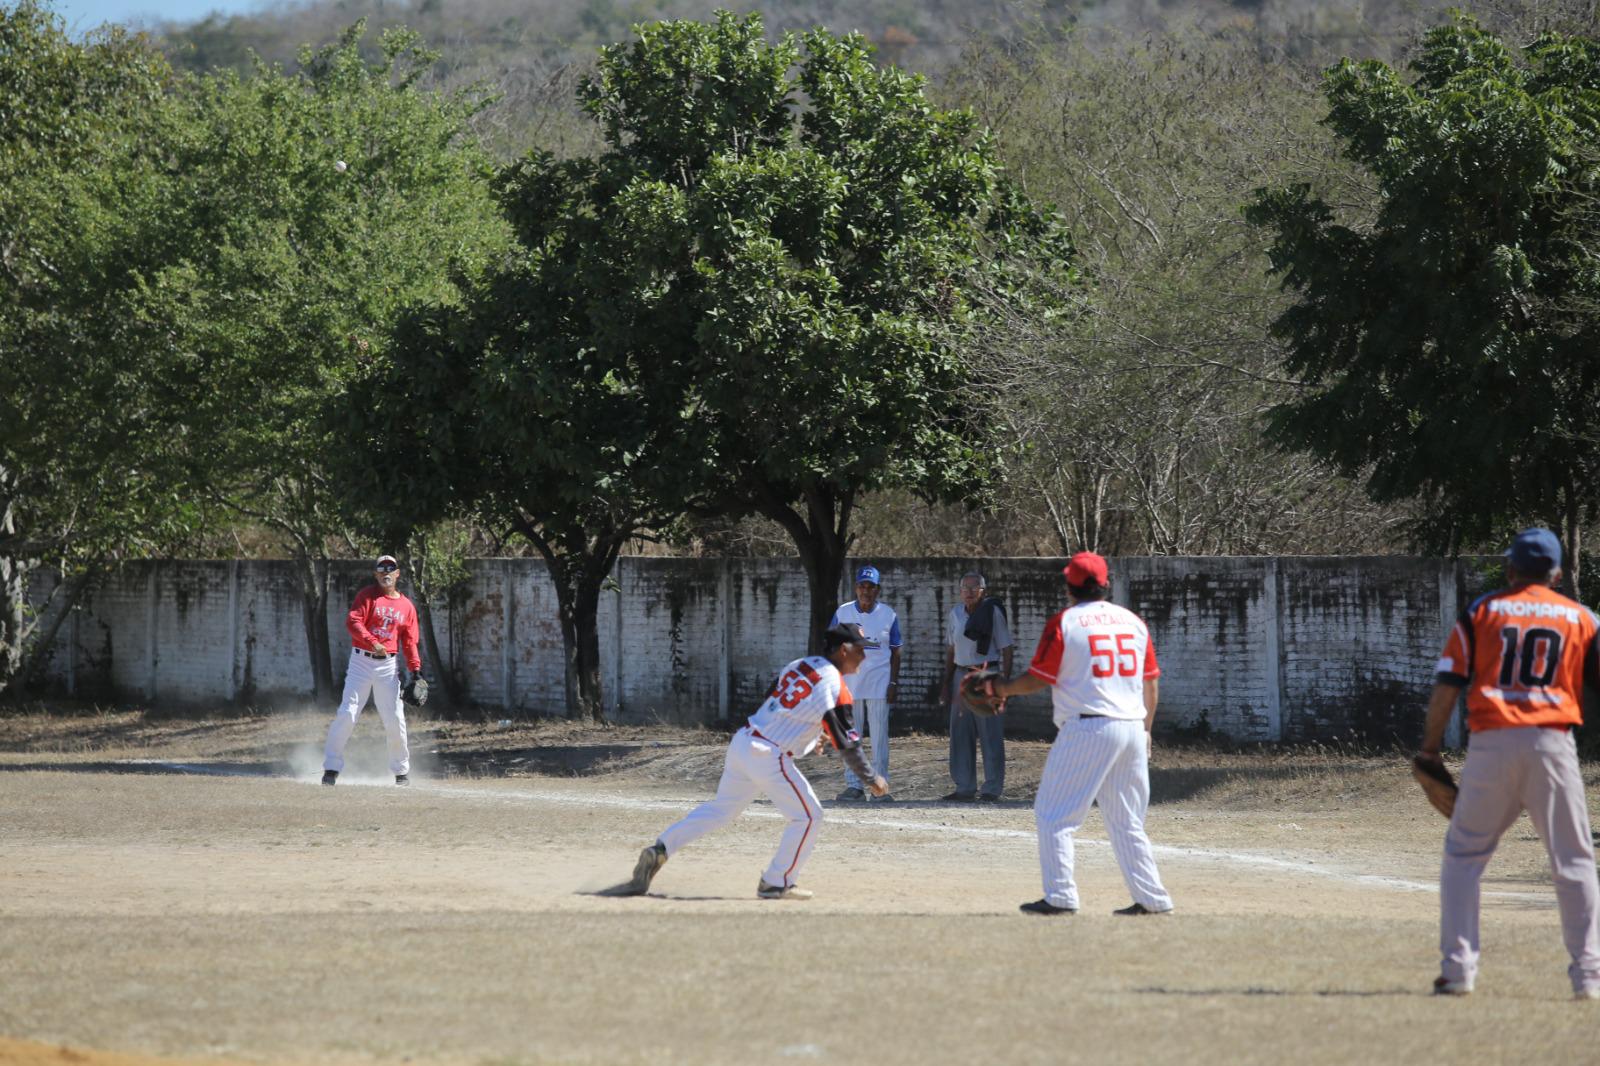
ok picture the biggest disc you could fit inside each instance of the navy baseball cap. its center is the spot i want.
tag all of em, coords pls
(869, 573)
(1535, 551)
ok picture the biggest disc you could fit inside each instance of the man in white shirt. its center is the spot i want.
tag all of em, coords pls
(876, 684)
(976, 637)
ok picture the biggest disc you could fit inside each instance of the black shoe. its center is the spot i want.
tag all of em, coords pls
(959, 797)
(850, 795)
(330, 777)
(984, 797)
(1136, 910)
(1044, 906)
(401, 779)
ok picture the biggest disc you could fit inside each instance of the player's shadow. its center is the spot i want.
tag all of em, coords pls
(174, 768)
(622, 891)
(1256, 990)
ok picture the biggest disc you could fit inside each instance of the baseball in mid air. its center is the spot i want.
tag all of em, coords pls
(340, 166)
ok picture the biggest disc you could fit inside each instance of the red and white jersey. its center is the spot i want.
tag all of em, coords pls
(806, 689)
(1097, 657)
(388, 620)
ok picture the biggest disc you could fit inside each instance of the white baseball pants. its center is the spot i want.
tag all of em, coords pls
(1509, 771)
(1104, 760)
(754, 767)
(876, 715)
(379, 678)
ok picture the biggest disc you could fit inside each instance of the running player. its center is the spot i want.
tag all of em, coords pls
(1100, 666)
(383, 626)
(1522, 653)
(809, 701)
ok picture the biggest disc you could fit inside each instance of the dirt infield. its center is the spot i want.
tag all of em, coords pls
(183, 890)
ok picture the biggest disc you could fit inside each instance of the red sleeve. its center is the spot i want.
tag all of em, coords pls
(1046, 663)
(356, 621)
(1151, 667)
(410, 640)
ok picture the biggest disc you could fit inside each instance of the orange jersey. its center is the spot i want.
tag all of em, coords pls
(1523, 654)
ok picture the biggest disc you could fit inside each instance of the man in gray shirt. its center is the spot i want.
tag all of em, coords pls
(976, 635)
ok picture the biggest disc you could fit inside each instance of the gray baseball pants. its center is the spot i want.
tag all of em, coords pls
(1509, 771)
(968, 732)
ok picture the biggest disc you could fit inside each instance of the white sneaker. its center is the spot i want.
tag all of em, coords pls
(766, 891)
(1443, 986)
(651, 860)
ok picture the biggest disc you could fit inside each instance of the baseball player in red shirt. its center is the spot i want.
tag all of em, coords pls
(809, 701)
(382, 625)
(1100, 666)
(1523, 654)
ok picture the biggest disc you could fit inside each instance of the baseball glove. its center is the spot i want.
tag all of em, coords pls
(1436, 782)
(978, 693)
(415, 691)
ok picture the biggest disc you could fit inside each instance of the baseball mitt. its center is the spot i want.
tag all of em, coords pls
(978, 693)
(415, 691)
(1436, 782)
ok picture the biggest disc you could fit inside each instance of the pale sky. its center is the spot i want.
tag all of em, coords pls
(84, 15)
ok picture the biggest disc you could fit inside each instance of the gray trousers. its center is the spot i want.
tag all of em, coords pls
(1509, 771)
(967, 733)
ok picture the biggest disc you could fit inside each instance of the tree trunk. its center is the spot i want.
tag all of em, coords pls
(1573, 513)
(822, 539)
(314, 616)
(422, 589)
(13, 616)
(39, 646)
(578, 576)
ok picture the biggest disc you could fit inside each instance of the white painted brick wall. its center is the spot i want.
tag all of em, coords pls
(1256, 648)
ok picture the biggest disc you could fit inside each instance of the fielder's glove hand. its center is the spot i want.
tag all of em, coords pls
(978, 693)
(1436, 782)
(415, 691)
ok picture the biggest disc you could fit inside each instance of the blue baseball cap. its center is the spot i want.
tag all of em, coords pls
(1535, 551)
(869, 573)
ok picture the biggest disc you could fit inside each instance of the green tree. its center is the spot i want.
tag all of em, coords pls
(86, 477)
(814, 268)
(1445, 341)
(310, 208)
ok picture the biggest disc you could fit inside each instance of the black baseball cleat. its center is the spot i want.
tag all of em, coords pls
(1138, 909)
(959, 797)
(402, 779)
(984, 797)
(1044, 906)
(330, 777)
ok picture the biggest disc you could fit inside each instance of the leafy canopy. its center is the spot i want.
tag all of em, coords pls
(1444, 342)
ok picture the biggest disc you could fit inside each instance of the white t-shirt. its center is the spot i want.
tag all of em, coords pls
(1096, 656)
(871, 679)
(966, 648)
(806, 689)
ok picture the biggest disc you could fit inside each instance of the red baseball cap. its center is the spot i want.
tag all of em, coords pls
(1086, 568)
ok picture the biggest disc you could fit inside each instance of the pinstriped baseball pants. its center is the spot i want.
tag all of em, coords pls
(1104, 760)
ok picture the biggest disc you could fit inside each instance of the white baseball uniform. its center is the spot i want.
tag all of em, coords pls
(760, 761)
(870, 683)
(1096, 657)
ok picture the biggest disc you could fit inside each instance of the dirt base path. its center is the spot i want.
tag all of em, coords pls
(185, 890)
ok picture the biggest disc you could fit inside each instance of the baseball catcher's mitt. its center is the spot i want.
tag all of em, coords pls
(978, 693)
(1436, 782)
(415, 691)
